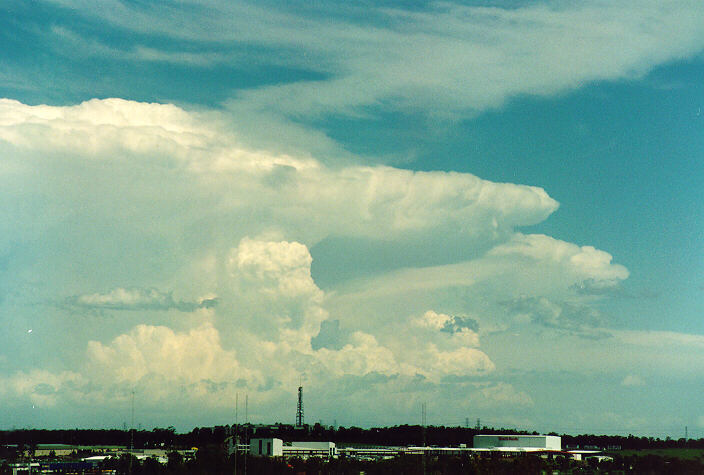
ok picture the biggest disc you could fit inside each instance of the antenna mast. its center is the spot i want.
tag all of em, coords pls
(299, 409)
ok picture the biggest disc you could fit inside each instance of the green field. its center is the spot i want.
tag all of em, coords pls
(674, 453)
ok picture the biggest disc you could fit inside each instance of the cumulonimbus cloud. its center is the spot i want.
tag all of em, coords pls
(211, 216)
(306, 197)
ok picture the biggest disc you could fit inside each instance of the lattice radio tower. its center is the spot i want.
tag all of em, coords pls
(299, 409)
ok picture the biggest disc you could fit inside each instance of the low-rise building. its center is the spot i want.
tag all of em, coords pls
(272, 447)
(310, 449)
(518, 442)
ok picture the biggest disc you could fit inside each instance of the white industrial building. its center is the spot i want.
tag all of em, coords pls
(273, 447)
(310, 449)
(266, 447)
(507, 444)
(525, 443)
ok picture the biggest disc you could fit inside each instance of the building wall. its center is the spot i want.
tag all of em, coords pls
(266, 447)
(57, 452)
(315, 445)
(321, 448)
(550, 442)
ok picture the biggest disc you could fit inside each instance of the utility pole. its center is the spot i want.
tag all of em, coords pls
(237, 429)
(424, 420)
(246, 427)
(131, 435)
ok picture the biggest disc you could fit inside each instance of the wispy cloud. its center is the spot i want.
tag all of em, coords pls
(611, 287)
(70, 42)
(445, 59)
(137, 299)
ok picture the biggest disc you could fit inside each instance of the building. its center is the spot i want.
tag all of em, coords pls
(310, 449)
(54, 450)
(518, 442)
(276, 448)
(266, 447)
(63, 450)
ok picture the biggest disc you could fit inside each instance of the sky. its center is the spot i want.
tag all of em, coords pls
(491, 207)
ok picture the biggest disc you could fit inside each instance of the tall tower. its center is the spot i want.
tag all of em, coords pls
(299, 409)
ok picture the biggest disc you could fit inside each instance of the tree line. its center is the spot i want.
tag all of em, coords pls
(397, 435)
(213, 461)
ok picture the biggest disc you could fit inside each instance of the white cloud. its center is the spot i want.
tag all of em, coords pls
(363, 355)
(662, 339)
(454, 58)
(148, 351)
(169, 367)
(137, 299)
(281, 268)
(274, 286)
(586, 261)
(632, 380)
(199, 160)
(42, 387)
(109, 200)
(133, 197)
(432, 320)
(445, 58)
(460, 362)
(502, 393)
(448, 330)
(166, 367)
(533, 267)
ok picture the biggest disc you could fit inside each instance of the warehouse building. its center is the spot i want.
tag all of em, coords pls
(518, 442)
(310, 449)
(273, 447)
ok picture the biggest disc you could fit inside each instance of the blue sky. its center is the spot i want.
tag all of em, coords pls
(494, 207)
